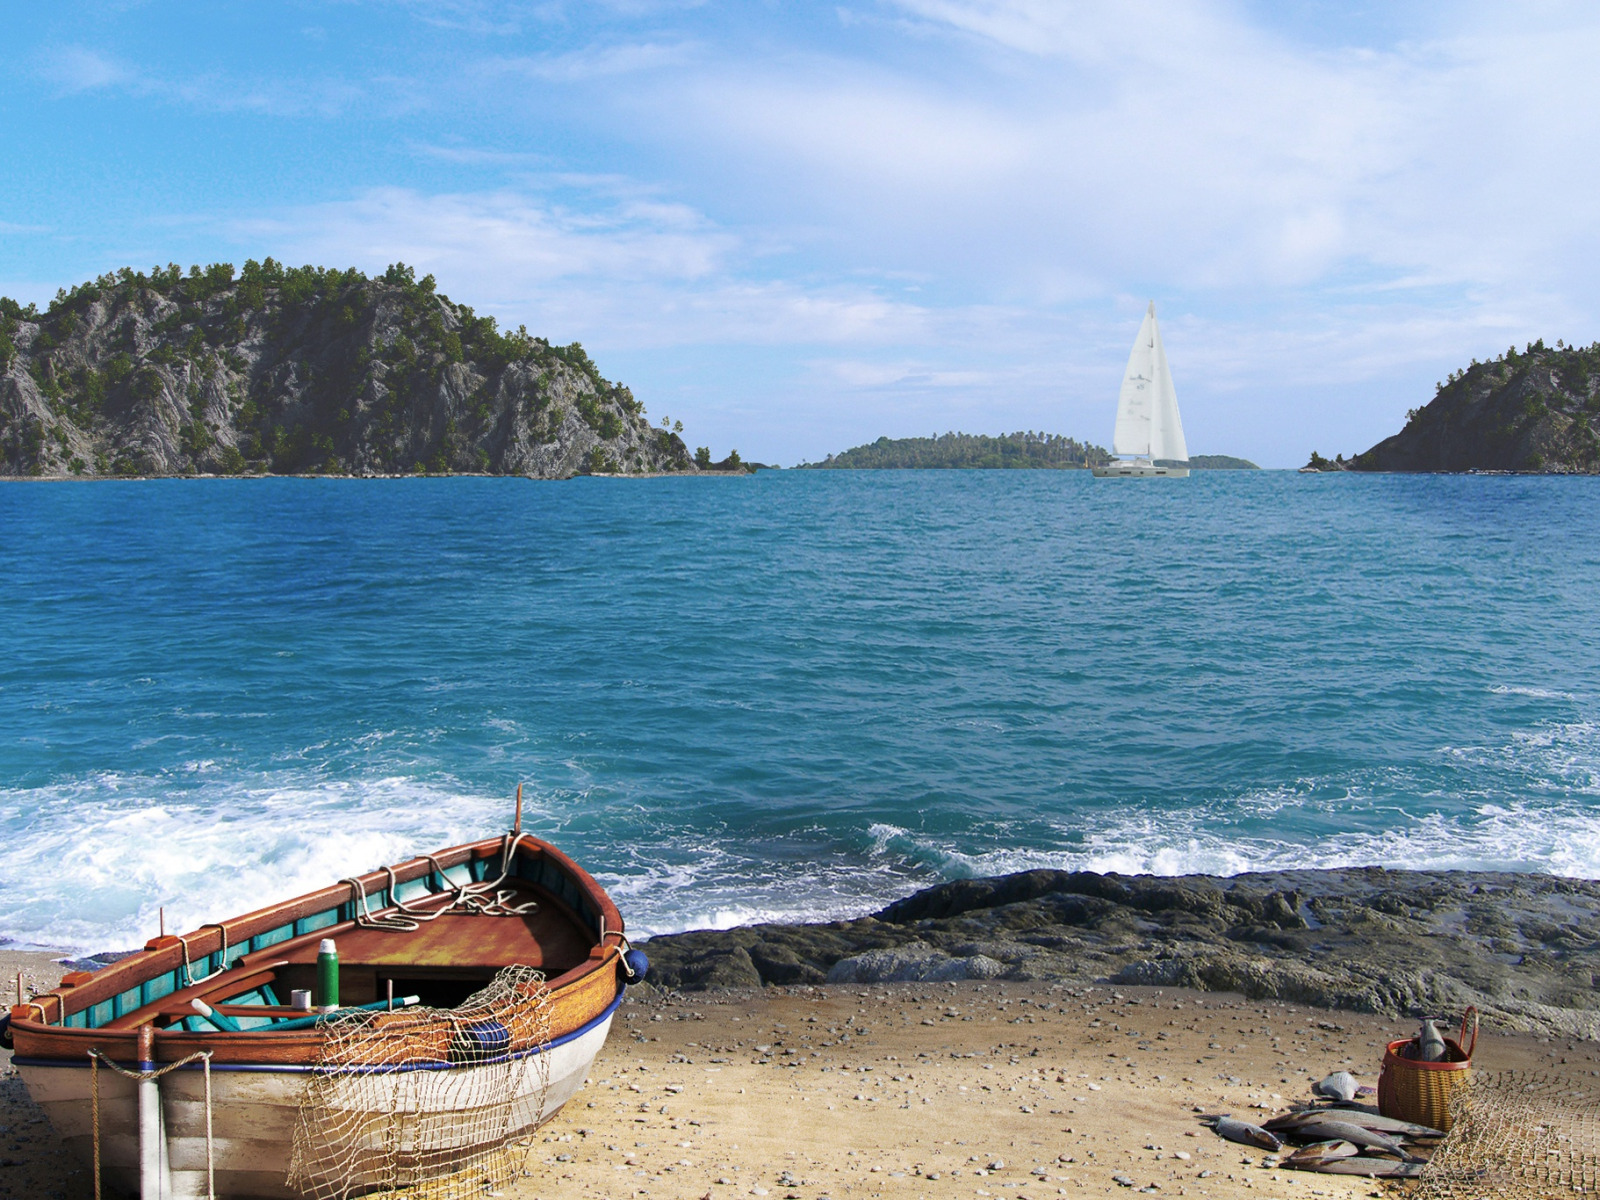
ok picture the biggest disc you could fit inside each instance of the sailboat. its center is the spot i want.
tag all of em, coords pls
(1149, 430)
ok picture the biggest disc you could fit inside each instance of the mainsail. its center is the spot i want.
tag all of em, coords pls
(1148, 425)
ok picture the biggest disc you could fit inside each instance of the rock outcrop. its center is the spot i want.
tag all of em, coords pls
(1530, 411)
(302, 371)
(1524, 948)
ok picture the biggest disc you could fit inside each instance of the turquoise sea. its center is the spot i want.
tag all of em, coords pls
(799, 694)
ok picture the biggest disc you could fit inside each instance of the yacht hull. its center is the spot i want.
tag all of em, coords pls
(1140, 471)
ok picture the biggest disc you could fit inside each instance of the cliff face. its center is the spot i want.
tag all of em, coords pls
(1531, 411)
(301, 371)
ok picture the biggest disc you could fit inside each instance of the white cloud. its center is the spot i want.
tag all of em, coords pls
(598, 62)
(639, 272)
(81, 69)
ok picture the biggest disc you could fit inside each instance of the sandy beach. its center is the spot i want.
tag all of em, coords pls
(898, 1090)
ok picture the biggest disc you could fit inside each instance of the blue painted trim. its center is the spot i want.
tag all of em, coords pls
(275, 1069)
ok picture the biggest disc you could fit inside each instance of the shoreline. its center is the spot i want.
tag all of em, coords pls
(1523, 948)
(398, 475)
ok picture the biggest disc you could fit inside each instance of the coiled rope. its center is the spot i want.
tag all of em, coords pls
(467, 897)
(96, 1058)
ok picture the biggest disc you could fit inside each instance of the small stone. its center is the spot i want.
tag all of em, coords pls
(1122, 1181)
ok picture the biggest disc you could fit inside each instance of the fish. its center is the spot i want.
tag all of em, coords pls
(1341, 1085)
(1430, 1042)
(1321, 1152)
(1332, 1131)
(1359, 1115)
(1376, 1168)
(1243, 1132)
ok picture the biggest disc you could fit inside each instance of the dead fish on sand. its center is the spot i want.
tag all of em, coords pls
(1292, 1123)
(1243, 1132)
(1373, 1168)
(1325, 1130)
(1347, 1106)
(1341, 1085)
(1308, 1157)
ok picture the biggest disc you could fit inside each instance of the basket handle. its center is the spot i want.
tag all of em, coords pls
(1472, 1015)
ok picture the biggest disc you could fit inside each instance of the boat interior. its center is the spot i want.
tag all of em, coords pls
(416, 936)
(440, 963)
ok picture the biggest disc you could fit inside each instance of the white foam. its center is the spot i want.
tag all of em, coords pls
(102, 855)
(1504, 689)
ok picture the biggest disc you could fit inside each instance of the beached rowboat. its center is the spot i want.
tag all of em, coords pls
(286, 1104)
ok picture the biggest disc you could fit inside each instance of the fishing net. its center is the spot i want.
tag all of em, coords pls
(1517, 1135)
(432, 1102)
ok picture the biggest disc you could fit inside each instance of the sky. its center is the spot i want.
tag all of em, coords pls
(798, 227)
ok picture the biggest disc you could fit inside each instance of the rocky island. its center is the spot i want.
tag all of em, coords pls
(304, 371)
(1531, 411)
(1525, 949)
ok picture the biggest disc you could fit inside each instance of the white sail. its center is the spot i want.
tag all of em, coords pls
(1148, 425)
(1166, 427)
(1132, 435)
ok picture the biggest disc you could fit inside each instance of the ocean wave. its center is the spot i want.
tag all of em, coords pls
(103, 854)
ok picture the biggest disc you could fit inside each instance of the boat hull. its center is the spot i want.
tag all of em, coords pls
(254, 1112)
(1139, 471)
(533, 976)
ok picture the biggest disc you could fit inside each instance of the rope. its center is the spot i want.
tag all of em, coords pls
(469, 897)
(188, 971)
(96, 1058)
(622, 950)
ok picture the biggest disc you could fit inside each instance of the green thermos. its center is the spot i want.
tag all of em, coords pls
(327, 975)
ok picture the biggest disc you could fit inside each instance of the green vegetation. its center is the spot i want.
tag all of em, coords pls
(1220, 462)
(969, 451)
(300, 370)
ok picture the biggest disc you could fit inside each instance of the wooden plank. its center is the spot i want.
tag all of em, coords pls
(596, 972)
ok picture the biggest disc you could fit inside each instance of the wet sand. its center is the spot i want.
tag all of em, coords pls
(901, 1090)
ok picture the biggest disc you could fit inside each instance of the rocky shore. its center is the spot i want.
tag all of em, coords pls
(1525, 949)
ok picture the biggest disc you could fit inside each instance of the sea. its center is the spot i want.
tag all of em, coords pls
(796, 695)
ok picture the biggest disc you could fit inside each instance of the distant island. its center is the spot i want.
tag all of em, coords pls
(1525, 412)
(1220, 462)
(305, 371)
(977, 451)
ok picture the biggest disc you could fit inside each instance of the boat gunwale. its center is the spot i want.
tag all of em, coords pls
(83, 1062)
(165, 955)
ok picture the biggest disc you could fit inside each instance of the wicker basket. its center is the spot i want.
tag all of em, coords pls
(1412, 1090)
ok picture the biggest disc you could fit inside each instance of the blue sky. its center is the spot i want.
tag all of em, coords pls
(797, 227)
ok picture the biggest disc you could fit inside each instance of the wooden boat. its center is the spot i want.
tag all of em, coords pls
(434, 929)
